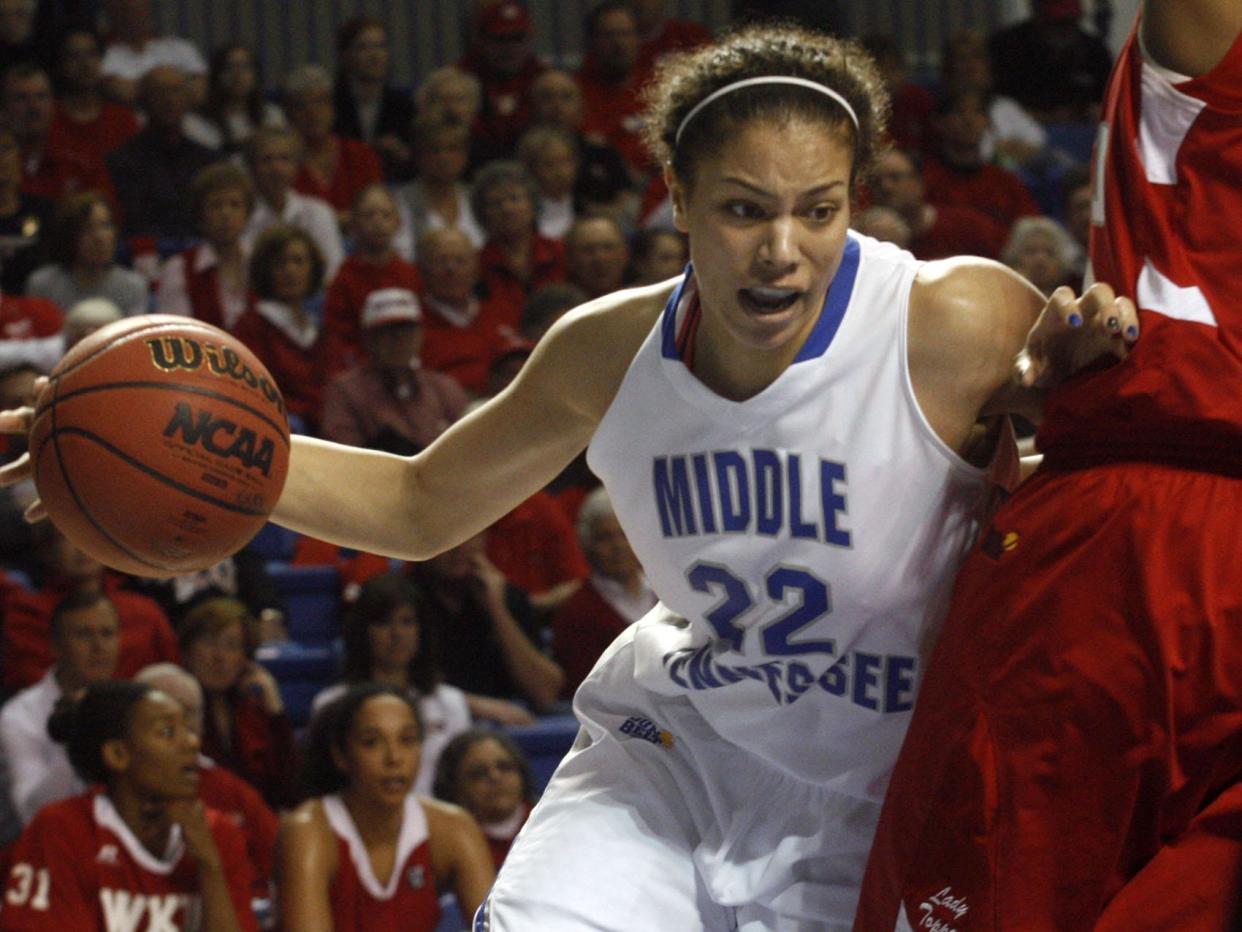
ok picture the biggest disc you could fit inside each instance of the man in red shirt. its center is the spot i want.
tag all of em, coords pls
(957, 174)
(502, 57)
(48, 172)
(611, 82)
(146, 636)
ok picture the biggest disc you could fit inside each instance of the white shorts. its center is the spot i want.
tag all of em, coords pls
(654, 822)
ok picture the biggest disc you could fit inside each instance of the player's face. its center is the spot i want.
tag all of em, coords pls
(161, 750)
(224, 215)
(394, 640)
(767, 220)
(489, 781)
(381, 751)
(217, 658)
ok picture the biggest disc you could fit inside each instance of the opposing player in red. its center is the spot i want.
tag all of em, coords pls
(367, 853)
(1074, 758)
(142, 854)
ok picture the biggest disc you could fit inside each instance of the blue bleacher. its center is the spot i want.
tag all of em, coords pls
(301, 671)
(274, 543)
(312, 594)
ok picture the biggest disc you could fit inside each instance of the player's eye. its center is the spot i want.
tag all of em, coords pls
(822, 213)
(743, 210)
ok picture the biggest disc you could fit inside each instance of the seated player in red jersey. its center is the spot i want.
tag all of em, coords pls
(142, 854)
(366, 853)
(486, 773)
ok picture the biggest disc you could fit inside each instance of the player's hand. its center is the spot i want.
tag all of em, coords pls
(1074, 332)
(19, 421)
(191, 815)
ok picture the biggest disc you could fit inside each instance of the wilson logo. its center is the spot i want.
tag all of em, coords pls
(172, 353)
(221, 437)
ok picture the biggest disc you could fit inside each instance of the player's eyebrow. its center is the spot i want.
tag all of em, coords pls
(824, 188)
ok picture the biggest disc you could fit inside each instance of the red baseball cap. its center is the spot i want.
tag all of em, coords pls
(1060, 9)
(506, 18)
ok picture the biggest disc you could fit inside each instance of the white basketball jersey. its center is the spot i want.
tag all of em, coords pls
(810, 534)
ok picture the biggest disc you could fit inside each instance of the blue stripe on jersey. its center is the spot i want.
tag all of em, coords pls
(835, 304)
(668, 348)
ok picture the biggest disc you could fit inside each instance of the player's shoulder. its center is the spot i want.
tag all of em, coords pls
(307, 821)
(631, 309)
(68, 820)
(444, 816)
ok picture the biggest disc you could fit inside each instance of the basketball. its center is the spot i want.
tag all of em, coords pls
(160, 445)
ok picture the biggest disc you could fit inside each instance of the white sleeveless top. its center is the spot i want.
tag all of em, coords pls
(810, 534)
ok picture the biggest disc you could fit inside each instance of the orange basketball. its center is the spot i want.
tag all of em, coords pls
(160, 445)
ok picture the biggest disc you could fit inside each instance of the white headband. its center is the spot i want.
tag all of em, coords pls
(765, 79)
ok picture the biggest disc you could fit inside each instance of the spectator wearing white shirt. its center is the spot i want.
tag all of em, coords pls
(86, 639)
(273, 154)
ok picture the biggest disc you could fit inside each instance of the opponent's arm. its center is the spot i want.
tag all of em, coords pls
(1190, 36)
(484, 465)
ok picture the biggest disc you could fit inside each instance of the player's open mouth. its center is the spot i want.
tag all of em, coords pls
(395, 784)
(762, 300)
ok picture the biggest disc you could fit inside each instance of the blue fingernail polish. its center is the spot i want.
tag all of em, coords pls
(1132, 331)
(1075, 320)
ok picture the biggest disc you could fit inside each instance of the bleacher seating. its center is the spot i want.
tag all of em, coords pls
(312, 594)
(301, 671)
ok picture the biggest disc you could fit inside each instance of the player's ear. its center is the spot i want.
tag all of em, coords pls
(677, 192)
(115, 754)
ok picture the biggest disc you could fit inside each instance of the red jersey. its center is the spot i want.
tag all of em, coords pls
(1166, 195)
(464, 349)
(115, 125)
(78, 866)
(237, 800)
(408, 901)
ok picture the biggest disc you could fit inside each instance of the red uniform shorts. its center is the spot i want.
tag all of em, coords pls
(1075, 753)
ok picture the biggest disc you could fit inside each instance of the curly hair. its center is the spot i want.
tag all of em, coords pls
(682, 81)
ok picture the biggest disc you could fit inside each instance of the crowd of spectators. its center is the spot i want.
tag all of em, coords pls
(393, 255)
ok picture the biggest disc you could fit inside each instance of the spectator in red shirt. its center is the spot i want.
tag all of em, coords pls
(334, 168)
(23, 318)
(48, 171)
(958, 174)
(22, 219)
(286, 274)
(210, 281)
(615, 595)
(597, 255)
(502, 57)
(84, 120)
(611, 82)
(660, 34)
(245, 727)
(61, 568)
(389, 402)
(462, 332)
(516, 259)
(374, 265)
(937, 231)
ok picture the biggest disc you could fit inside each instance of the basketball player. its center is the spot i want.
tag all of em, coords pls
(142, 854)
(787, 435)
(1074, 760)
(367, 853)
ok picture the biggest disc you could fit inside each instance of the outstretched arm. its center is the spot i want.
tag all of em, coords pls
(484, 465)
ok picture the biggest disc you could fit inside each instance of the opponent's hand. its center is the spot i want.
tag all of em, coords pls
(1073, 332)
(19, 421)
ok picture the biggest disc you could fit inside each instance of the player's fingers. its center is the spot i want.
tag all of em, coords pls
(1063, 305)
(1097, 303)
(35, 512)
(1128, 313)
(16, 420)
(15, 471)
